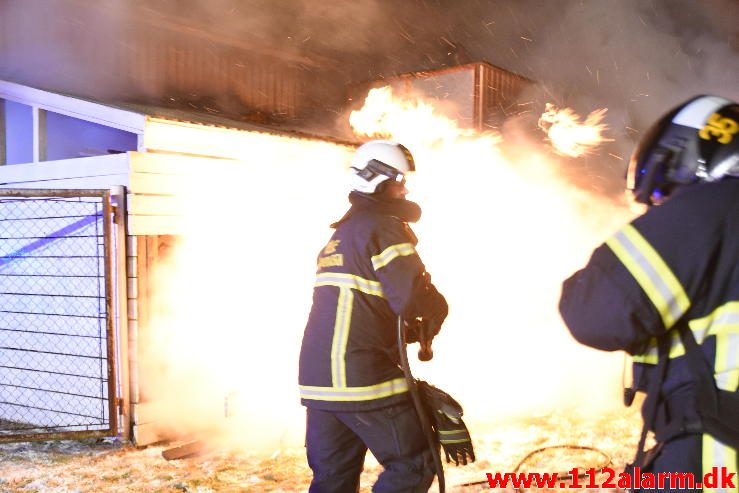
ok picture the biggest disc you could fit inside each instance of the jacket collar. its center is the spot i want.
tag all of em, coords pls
(405, 210)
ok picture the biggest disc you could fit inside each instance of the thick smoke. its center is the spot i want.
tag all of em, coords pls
(122, 50)
(636, 58)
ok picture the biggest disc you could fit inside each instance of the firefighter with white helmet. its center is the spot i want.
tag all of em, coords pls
(368, 274)
(665, 288)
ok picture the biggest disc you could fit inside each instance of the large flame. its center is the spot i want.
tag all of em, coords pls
(384, 115)
(569, 135)
(498, 235)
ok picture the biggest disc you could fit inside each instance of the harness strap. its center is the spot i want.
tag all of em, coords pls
(653, 394)
(718, 409)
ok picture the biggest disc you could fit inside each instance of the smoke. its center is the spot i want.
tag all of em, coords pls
(49, 45)
(203, 56)
(636, 58)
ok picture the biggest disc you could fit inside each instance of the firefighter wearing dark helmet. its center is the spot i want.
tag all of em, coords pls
(665, 288)
(368, 273)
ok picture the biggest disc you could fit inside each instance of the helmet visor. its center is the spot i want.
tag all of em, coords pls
(648, 179)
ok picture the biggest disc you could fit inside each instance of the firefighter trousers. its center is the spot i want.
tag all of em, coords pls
(686, 454)
(337, 442)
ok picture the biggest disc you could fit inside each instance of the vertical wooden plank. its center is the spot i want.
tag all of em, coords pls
(110, 310)
(142, 303)
(120, 260)
(135, 316)
(145, 300)
(39, 134)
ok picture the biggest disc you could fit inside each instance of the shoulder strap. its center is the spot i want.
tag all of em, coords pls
(705, 383)
(717, 408)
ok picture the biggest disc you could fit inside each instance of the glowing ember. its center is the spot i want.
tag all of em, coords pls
(568, 135)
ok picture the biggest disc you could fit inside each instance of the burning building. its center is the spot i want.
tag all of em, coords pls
(174, 174)
(154, 165)
(477, 96)
(206, 233)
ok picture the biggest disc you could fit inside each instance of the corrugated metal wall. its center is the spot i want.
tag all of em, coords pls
(500, 93)
(483, 95)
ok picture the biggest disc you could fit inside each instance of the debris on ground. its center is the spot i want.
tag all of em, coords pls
(111, 466)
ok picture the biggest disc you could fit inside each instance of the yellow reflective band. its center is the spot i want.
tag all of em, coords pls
(341, 337)
(652, 273)
(450, 432)
(728, 380)
(651, 354)
(378, 391)
(442, 440)
(342, 280)
(716, 454)
(392, 252)
(723, 322)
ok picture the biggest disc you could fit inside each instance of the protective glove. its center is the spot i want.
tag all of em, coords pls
(413, 330)
(421, 331)
(427, 304)
(446, 420)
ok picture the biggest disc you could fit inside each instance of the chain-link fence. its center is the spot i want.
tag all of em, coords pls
(57, 374)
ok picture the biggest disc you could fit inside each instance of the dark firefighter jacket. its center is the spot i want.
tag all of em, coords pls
(367, 274)
(676, 266)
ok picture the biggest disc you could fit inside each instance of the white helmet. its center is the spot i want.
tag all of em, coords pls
(377, 161)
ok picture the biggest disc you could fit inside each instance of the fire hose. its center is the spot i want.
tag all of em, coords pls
(425, 354)
(606, 462)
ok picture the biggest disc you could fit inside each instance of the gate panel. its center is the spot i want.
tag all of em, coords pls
(57, 342)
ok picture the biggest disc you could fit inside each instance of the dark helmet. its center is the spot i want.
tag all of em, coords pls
(696, 142)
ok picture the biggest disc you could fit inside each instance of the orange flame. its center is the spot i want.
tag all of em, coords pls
(568, 135)
(499, 234)
(403, 119)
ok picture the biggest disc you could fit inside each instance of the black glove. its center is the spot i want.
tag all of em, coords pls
(446, 421)
(420, 329)
(427, 304)
(412, 330)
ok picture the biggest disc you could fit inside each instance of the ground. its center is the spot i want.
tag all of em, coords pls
(108, 465)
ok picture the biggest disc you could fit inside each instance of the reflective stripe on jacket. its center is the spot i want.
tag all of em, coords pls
(675, 266)
(368, 272)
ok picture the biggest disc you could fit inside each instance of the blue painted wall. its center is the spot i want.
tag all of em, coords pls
(68, 137)
(18, 132)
